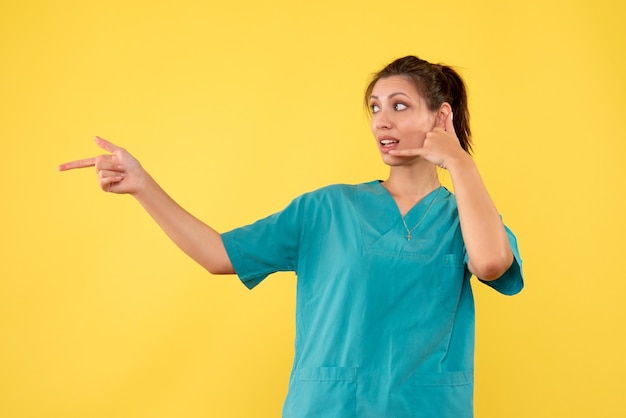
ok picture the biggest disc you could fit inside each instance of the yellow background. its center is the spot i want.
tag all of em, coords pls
(237, 107)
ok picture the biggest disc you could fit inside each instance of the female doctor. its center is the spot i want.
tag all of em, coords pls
(384, 310)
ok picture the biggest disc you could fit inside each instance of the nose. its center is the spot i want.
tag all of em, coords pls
(382, 120)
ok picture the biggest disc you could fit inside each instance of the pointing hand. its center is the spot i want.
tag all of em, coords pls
(118, 172)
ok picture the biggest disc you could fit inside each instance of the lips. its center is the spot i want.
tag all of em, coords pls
(387, 142)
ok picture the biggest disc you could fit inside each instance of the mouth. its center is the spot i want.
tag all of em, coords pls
(388, 143)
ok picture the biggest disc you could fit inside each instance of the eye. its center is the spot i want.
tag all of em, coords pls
(399, 106)
(374, 108)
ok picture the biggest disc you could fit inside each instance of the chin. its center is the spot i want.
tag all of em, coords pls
(392, 161)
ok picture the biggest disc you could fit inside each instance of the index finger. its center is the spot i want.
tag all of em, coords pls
(87, 162)
(409, 152)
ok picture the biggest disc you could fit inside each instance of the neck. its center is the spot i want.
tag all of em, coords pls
(412, 185)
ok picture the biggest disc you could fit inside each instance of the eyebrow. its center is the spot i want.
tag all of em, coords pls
(392, 95)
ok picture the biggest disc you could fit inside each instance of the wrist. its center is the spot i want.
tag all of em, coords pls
(460, 163)
(145, 186)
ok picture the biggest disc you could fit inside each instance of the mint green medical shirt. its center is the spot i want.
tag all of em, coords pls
(384, 326)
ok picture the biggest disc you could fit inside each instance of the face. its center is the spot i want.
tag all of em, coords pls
(400, 118)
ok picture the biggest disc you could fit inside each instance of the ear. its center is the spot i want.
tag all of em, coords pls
(442, 115)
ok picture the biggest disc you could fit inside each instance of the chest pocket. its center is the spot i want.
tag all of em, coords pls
(450, 281)
(417, 273)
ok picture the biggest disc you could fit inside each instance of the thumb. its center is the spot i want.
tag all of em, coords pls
(106, 145)
(449, 126)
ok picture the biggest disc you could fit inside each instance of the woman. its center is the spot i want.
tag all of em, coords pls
(385, 314)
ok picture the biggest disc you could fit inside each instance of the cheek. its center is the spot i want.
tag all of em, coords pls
(414, 132)
(417, 130)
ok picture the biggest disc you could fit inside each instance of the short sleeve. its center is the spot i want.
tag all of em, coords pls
(512, 281)
(266, 246)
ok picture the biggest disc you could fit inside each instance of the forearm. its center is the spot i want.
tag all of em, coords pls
(485, 238)
(198, 240)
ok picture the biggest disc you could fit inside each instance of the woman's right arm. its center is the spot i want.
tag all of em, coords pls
(119, 172)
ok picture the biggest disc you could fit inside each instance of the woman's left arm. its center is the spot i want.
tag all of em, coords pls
(486, 241)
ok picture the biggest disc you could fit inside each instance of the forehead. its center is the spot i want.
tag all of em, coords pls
(395, 84)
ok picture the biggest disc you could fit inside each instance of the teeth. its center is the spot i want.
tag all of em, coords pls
(388, 141)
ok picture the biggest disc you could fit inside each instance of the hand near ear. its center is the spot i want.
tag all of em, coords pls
(440, 147)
